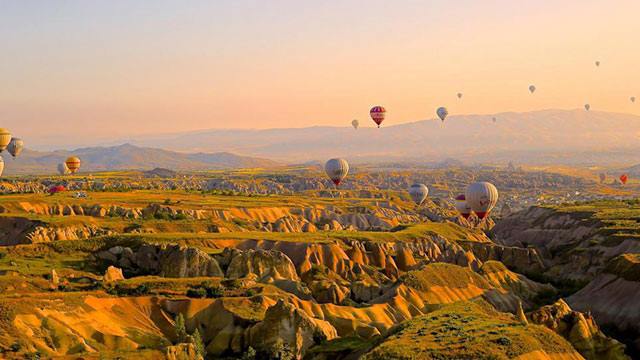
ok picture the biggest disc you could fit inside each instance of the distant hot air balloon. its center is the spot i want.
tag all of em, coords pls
(5, 139)
(378, 114)
(1, 165)
(15, 147)
(73, 163)
(418, 193)
(355, 123)
(597, 63)
(603, 177)
(459, 95)
(442, 113)
(463, 208)
(56, 189)
(481, 197)
(337, 170)
(63, 169)
(633, 99)
(587, 107)
(494, 119)
(624, 178)
(532, 88)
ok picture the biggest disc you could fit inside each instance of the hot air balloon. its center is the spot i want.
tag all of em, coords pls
(73, 163)
(377, 114)
(597, 63)
(603, 177)
(337, 170)
(481, 197)
(623, 179)
(587, 107)
(355, 123)
(1, 165)
(418, 193)
(442, 113)
(15, 147)
(532, 88)
(459, 95)
(633, 99)
(63, 169)
(494, 119)
(56, 189)
(5, 139)
(463, 208)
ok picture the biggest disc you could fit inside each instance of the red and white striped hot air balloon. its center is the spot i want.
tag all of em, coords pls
(377, 114)
(624, 178)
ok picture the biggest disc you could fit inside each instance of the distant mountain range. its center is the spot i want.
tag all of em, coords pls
(129, 157)
(549, 136)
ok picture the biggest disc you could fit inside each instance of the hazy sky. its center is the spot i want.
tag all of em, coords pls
(96, 69)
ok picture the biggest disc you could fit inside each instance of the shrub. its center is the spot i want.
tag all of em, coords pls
(197, 293)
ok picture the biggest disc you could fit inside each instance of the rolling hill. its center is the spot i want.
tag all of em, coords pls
(129, 157)
(543, 137)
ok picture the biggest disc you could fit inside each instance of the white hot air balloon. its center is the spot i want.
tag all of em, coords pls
(337, 170)
(418, 193)
(355, 123)
(63, 169)
(532, 88)
(463, 208)
(1, 165)
(481, 197)
(633, 99)
(442, 113)
(459, 95)
(5, 139)
(15, 146)
(587, 107)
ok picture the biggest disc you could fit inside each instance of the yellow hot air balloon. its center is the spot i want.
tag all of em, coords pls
(73, 164)
(5, 139)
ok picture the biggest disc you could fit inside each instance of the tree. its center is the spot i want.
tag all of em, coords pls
(181, 330)
(197, 342)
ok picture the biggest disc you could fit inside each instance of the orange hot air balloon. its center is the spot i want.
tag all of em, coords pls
(73, 164)
(378, 114)
(624, 178)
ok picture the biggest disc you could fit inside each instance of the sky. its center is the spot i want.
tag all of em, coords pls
(83, 71)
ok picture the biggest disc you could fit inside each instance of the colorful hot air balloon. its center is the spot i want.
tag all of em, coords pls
(418, 193)
(633, 99)
(532, 88)
(463, 208)
(587, 107)
(355, 123)
(442, 113)
(459, 95)
(5, 139)
(73, 163)
(337, 170)
(624, 178)
(63, 169)
(15, 147)
(56, 189)
(378, 114)
(603, 177)
(481, 197)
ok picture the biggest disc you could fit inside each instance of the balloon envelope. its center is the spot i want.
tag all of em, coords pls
(633, 99)
(587, 107)
(459, 95)
(624, 178)
(15, 147)
(56, 189)
(532, 88)
(355, 123)
(73, 163)
(442, 113)
(463, 208)
(63, 169)
(481, 197)
(5, 139)
(378, 113)
(337, 170)
(418, 193)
